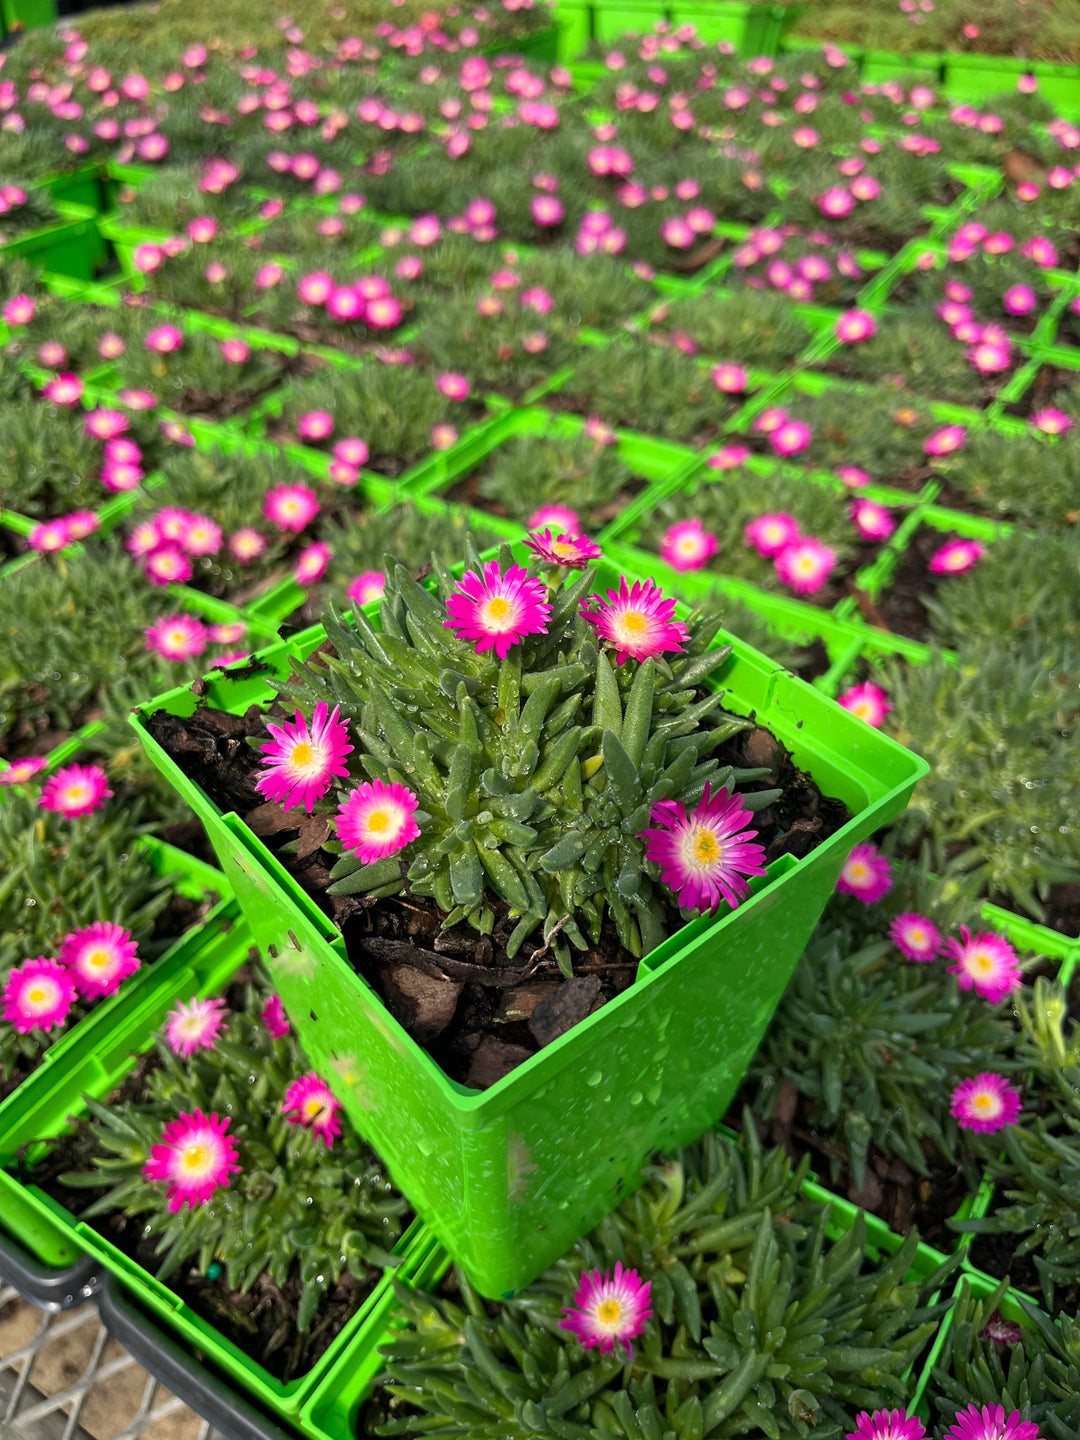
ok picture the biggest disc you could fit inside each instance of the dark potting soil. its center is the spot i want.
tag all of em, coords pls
(1063, 908)
(890, 1188)
(262, 1323)
(1043, 391)
(996, 1255)
(467, 491)
(901, 609)
(477, 1011)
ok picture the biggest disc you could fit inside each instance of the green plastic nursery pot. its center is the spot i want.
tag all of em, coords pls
(612, 19)
(751, 29)
(100, 1054)
(980, 77)
(70, 247)
(21, 15)
(575, 30)
(880, 65)
(510, 1177)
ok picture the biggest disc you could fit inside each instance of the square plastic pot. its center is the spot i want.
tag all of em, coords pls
(508, 1178)
(979, 77)
(100, 1054)
(751, 29)
(880, 65)
(612, 19)
(70, 247)
(19, 15)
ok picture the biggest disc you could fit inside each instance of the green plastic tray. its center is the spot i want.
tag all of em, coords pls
(562, 1137)
(96, 1059)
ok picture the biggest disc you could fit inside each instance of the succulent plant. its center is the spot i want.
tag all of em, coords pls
(295, 1204)
(748, 322)
(660, 391)
(1028, 1363)
(760, 1325)
(1036, 1167)
(994, 474)
(536, 773)
(48, 466)
(535, 470)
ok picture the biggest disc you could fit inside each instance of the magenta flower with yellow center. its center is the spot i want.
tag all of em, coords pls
(867, 874)
(177, 637)
(687, 545)
(376, 820)
(75, 790)
(310, 1102)
(299, 761)
(20, 771)
(705, 855)
(194, 1025)
(608, 1309)
(571, 552)
(984, 962)
(985, 1103)
(637, 621)
(38, 995)
(991, 1422)
(915, 937)
(805, 565)
(365, 588)
(194, 1158)
(868, 701)
(496, 611)
(99, 958)
(771, 533)
(955, 557)
(887, 1425)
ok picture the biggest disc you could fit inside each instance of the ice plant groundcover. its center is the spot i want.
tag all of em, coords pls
(882, 382)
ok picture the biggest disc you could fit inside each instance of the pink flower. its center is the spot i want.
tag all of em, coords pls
(64, 389)
(867, 874)
(855, 325)
(246, 545)
(772, 533)
(791, 437)
(687, 545)
(730, 379)
(985, 962)
(104, 424)
(38, 995)
(1051, 421)
(49, 537)
(315, 288)
(75, 790)
(177, 637)
(887, 1425)
(805, 565)
(351, 451)
(20, 771)
(985, 1103)
(367, 587)
(202, 229)
(852, 476)
(836, 203)
(194, 1158)
(274, 1018)
(454, 387)
(497, 611)
(99, 957)
(315, 425)
(571, 552)
(916, 937)
(19, 310)
(311, 564)
(147, 258)
(1019, 300)
(299, 763)
(194, 1025)
(676, 232)
(227, 633)
(705, 856)
(202, 536)
(291, 507)
(872, 521)
(310, 1102)
(376, 820)
(609, 1310)
(956, 556)
(555, 517)
(547, 211)
(637, 622)
(443, 437)
(235, 351)
(729, 457)
(164, 339)
(868, 701)
(167, 565)
(945, 441)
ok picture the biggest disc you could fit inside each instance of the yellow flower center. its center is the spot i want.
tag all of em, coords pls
(196, 1160)
(918, 937)
(378, 820)
(609, 1312)
(98, 959)
(707, 849)
(806, 565)
(77, 794)
(984, 1102)
(863, 709)
(858, 871)
(496, 610)
(982, 962)
(313, 1108)
(563, 547)
(302, 754)
(37, 996)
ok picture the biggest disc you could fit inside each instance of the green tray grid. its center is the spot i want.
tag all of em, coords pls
(96, 1057)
